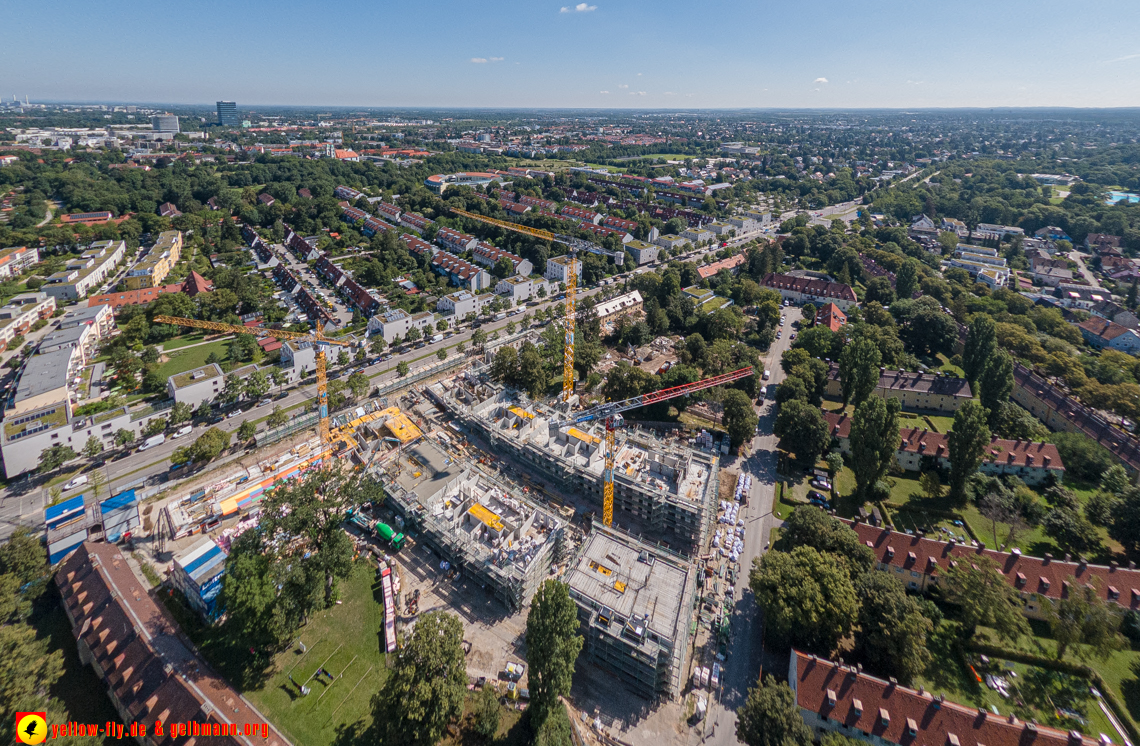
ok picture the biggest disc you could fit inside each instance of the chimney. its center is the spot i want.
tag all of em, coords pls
(1131, 564)
(1048, 558)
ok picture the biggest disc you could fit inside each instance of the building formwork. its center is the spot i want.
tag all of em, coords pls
(669, 490)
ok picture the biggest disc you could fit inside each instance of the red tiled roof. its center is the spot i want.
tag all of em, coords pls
(494, 254)
(131, 297)
(196, 283)
(809, 285)
(1103, 328)
(896, 714)
(730, 264)
(149, 669)
(620, 224)
(1048, 577)
(831, 317)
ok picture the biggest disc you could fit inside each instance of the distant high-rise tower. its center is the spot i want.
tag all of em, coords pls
(227, 114)
(164, 123)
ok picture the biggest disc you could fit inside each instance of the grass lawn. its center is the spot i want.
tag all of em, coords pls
(177, 342)
(195, 357)
(948, 367)
(346, 640)
(1035, 693)
(512, 731)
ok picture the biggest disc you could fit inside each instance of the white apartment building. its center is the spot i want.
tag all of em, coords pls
(459, 304)
(397, 323)
(87, 272)
(558, 268)
(197, 386)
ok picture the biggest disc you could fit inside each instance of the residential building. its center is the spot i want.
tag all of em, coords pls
(86, 218)
(722, 229)
(115, 301)
(636, 603)
(921, 449)
(168, 210)
(266, 199)
(157, 264)
(991, 230)
(415, 222)
(489, 256)
(196, 283)
(670, 241)
(1099, 242)
(152, 675)
(101, 319)
(388, 212)
(1052, 276)
(451, 239)
(622, 225)
(459, 304)
(460, 271)
(915, 391)
(622, 305)
(642, 252)
(297, 359)
(1052, 233)
(732, 264)
(835, 698)
(985, 272)
(558, 268)
(346, 155)
(518, 289)
(196, 387)
(440, 182)
(227, 114)
(1102, 333)
(396, 323)
(580, 214)
(20, 312)
(16, 259)
(745, 224)
(1114, 312)
(1080, 296)
(831, 316)
(698, 235)
(802, 290)
(87, 272)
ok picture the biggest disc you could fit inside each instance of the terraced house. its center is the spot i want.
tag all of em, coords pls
(915, 391)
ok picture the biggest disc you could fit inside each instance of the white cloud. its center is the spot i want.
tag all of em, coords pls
(579, 8)
(637, 93)
(639, 75)
(669, 93)
(496, 59)
(603, 91)
(820, 80)
(622, 86)
(479, 60)
(1125, 58)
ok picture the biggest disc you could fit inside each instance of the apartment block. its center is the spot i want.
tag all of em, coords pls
(87, 272)
(16, 259)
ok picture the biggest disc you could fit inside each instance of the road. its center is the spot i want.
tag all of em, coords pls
(1084, 270)
(23, 502)
(745, 652)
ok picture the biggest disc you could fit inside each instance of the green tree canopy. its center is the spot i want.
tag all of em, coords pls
(874, 442)
(892, 630)
(859, 371)
(771, 717)
(967, 441)
(552, 644)
(807, 597)
(802, 430)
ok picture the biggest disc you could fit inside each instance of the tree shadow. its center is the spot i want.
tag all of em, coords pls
(1130, 690)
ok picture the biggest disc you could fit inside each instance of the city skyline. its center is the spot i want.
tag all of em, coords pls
(822, 54)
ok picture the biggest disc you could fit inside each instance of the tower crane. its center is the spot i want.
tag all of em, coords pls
(571, 241)
(610, 413)
(316, 338)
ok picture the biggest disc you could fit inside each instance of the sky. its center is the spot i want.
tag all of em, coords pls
(620, 54)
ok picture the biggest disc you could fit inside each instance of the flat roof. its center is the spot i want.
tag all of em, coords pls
(44, 373)
(207, 372)
(633, 581)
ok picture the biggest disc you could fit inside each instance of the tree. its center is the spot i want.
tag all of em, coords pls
(442, 354)
(981, 344)
(1085, 623)
(931, 486)
(402, 368)
(246, 431)
(425, 688)
(967, 441)
(879, 290)
(802, 430)
(256, 613)
(256, 385)
(739, 417)
(874, 442)
(995, 384)
(809, 526)
(505, 365)
(554, 730)
(859, 371)
(441, 325)
(807, 598)
(488, 712)
(553, 644)
(479, 338)
(892, 629)
(906, 279)
(93, 447)
(1072, 531)
(23, 557)
(414, 335)
(834, 463)
(55, 457)
(808, 312)
(124, 437)
(232, 390)
(984, 598)
(1083, 457)
(771, 717)
(342, 358)
(1114, 480)
(207, 447)
(179, 413)
(378, 345)
(277, 417)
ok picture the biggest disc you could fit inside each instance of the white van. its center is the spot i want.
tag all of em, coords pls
(79, 481)
(767, 374)
(437, 338)
(152, 441)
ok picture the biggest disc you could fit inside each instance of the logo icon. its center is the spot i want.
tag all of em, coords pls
(31, 727)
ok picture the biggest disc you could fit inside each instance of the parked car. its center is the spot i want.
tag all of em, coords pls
(184, 430)
(235, 413)
(263, 402)
(822, 484)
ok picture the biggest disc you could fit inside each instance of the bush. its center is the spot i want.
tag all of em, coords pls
(1083, 457)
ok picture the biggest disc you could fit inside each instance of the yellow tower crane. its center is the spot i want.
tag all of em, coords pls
(316, 338)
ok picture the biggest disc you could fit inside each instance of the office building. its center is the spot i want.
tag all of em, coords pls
(164, 123)
(227, 114)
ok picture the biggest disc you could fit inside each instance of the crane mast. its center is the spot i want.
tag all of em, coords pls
(568, 349)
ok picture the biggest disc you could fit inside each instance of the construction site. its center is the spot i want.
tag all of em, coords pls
(665, 488)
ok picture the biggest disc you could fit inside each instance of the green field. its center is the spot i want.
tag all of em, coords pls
(346, 640)
(179, 342)
(195, 357)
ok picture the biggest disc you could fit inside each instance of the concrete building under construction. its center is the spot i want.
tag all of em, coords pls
(484, 529)
(636, 605)
(663, 488)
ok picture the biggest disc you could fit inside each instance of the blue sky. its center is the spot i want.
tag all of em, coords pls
(600, 53)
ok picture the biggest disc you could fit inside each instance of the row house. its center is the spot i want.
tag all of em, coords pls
(915, 391)
(488, 255)
(920, 449)
(802, 290)
(515, 208)
(372, 226)
(581, 214)
(389, 212)
(415, 222)
(536, 202)
(360, 297)
(418, 245)
(452, 239)
(354, 215)
(836, 698)
(460, 271)
(732, 264)
(619, 224)
(329, 272)
(348, 193)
